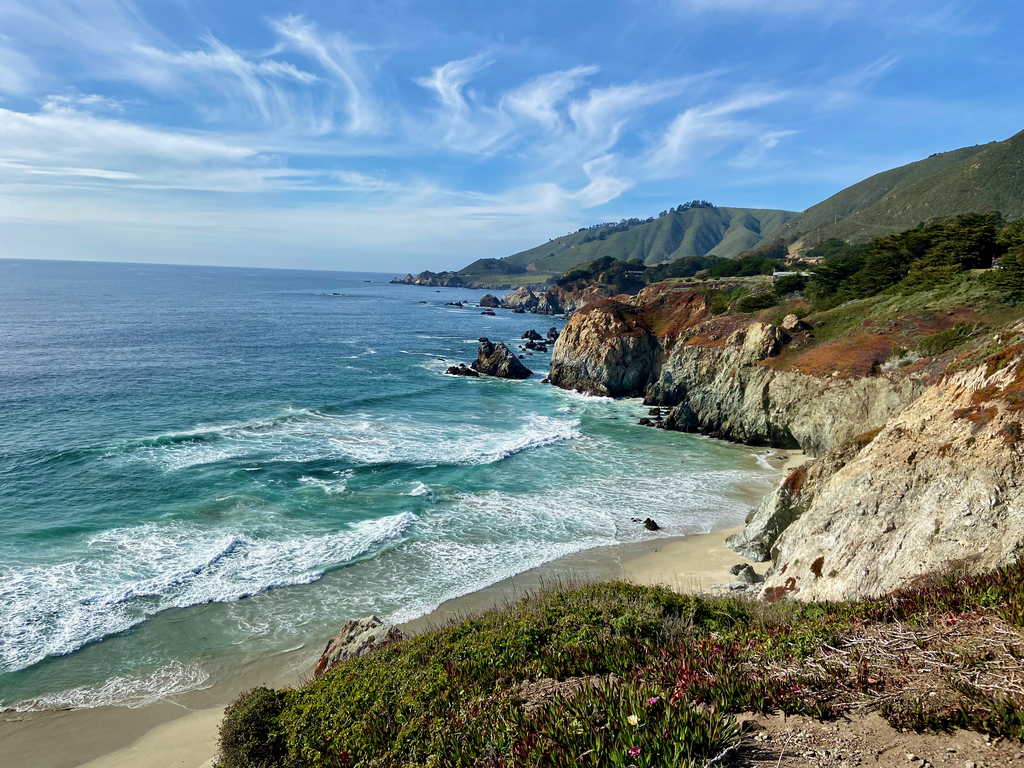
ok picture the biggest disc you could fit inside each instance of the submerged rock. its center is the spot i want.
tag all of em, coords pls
(356, 638)
(462, 370)
(499, 361)
(650, 525)
(488, 312)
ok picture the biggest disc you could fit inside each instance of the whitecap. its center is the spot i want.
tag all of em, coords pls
(422, 490)
(124, 691)
(308, 436)
(125, 575)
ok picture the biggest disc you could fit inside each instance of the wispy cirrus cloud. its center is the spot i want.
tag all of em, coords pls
(705, 129)
(338, 56)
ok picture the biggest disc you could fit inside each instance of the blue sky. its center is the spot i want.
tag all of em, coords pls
(397, 136)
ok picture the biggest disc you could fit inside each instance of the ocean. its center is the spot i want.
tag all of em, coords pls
(204, 466)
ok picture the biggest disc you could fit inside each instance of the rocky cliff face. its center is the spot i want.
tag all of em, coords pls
(941, 484)
(665, 346)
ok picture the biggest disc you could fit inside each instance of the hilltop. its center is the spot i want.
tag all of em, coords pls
(987, 177)
(695, 229)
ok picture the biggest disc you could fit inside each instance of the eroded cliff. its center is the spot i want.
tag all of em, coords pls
(941, 484)
(718, 374)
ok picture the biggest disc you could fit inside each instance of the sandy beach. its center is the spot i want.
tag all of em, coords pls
(181, 731)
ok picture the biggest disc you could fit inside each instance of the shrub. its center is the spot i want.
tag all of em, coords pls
(250, 735)
(943, 341)
(757, 302)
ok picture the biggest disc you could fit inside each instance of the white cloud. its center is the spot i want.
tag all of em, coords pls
(538, 98)
(707, 128)
(338, 56)
(17, 72)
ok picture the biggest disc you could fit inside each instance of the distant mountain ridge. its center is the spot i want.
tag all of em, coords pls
(980, 179)
(701, 231)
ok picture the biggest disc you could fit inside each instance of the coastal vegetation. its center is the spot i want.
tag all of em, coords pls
(615, 674)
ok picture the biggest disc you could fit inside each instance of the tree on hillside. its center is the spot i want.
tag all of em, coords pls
(1011, 264)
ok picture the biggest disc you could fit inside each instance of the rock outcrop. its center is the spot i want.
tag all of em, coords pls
(461, 370)
(356, 638)
(498, 360)
(713, 372)
(794, 496)
(940, 485)
(433, 279)
(490, 301)
(520, 298)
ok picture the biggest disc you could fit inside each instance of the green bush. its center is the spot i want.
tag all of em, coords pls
(250, 735)
(757, 302)
(943, 341)
(915, 260)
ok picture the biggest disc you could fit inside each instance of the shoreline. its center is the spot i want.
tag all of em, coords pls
(182, 730)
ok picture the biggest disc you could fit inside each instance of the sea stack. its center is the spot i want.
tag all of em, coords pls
(497, 360)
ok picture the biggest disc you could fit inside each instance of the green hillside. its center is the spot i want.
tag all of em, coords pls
(697, 231)
(987, 177)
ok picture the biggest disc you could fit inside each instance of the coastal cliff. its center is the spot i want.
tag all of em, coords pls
(940, 484)
(911, 408)
(718, 374)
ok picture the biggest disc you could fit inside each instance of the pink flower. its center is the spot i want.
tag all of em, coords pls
(633, 751)
(652, 701)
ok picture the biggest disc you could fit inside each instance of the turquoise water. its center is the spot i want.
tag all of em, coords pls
(202, 466)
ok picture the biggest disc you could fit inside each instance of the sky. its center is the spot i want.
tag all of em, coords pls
(398, 136)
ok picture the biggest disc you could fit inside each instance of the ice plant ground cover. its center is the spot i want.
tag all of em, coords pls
(643, 676)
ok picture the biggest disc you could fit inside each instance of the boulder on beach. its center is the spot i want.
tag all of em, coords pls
(650, 525)
(356, 638)
(499, 361)
(462, 370)
(490, 301)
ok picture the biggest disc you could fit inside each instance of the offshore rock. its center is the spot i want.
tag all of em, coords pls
(941, 486)
(499, 361)
(532, 335)
(356, 638)
(552, 334)
(462, 370)
(489, 301)
(520, 298)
